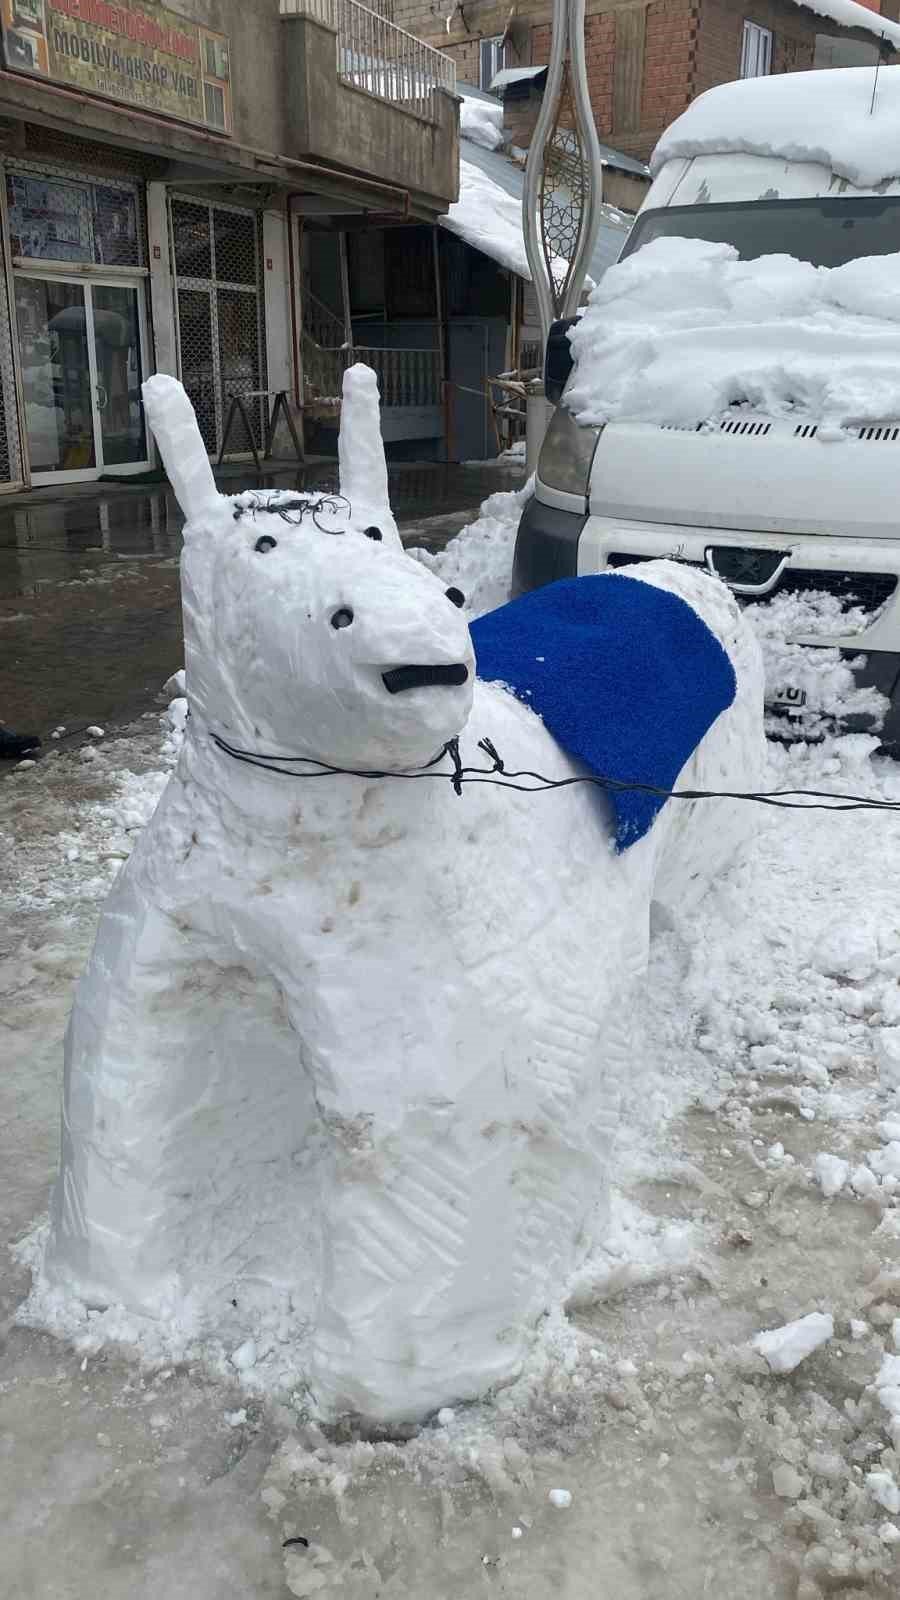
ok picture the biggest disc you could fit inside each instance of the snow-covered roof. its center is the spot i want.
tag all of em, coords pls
(481, 121)
(851, 15)
(468, 93)
(821, 116)
(488, 213)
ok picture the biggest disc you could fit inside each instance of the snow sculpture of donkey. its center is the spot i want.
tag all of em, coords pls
(343, 1069)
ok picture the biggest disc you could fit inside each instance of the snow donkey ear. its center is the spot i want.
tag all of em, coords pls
(174, 426)
(362, 468)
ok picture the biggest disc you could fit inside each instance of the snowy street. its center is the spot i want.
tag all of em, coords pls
(649, 1450)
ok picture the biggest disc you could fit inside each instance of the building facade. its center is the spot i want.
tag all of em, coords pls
(158, 168)
(646, 59)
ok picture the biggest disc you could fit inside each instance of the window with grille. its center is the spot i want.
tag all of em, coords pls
(220, 316)
(756, 51)
(55, 219)
(493, 54)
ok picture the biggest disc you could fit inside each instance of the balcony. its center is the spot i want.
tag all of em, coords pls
(366, 97)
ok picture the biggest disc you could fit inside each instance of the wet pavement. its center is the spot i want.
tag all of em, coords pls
(90, 612)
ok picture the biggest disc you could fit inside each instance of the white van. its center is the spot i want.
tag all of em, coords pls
(758, 499)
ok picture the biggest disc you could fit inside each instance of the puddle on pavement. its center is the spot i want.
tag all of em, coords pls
(90, 610)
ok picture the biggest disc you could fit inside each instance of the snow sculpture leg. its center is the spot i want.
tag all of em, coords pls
(342, 1072)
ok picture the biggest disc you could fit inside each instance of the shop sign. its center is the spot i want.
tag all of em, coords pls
(143, 55)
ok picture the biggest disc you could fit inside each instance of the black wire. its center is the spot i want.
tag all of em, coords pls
(498, 775)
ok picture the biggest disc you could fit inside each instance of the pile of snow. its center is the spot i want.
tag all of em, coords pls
(800, 116)
(823, 674)
(479, 560)
(682, 330)
(482, 122)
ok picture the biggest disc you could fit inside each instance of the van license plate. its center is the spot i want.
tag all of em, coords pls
(789, 699)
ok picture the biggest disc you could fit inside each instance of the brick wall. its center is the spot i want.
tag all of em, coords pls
(793, 43)
(669, 57)
(688, 46)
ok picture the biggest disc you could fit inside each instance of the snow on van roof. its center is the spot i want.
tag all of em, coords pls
(820, 116)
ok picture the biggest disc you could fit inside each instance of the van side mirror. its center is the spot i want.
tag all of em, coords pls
(557, 359)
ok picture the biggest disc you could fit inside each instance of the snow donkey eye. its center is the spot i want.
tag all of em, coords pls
(265, 543)
(342, 618)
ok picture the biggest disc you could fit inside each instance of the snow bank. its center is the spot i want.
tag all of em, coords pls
(801, 116)
(481, 122)
(824, 674)
(479, 560)
(682, 330)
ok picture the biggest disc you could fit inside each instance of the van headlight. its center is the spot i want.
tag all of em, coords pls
(567, 453)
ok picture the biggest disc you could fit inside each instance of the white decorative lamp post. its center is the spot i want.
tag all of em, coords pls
(563, 191)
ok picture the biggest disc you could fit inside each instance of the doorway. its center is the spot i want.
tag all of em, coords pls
(82, 356)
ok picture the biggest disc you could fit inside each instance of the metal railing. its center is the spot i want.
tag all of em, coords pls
(375, 55)
(405, 377)
(325, 326)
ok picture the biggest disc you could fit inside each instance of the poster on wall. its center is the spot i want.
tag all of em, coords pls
(145, 56)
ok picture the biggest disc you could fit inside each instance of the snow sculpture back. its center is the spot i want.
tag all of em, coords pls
(342, 1074)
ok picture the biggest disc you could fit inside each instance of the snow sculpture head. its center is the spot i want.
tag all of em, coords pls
(308, 631)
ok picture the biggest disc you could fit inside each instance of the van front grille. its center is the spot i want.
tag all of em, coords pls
(869, 590)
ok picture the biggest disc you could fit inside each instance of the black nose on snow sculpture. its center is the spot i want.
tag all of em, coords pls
(396, 679)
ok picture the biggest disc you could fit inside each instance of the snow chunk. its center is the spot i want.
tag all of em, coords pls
(883, 1488)
(831, 1173)
(887, 1057)
(561, 1498)
(682, 332)
(787, 1482)
(784, 1348)
(244, 1356)
(886, 1162)
(863, 1181)
(804, 116)
(174, 687)
(847, 952)
(481, 122)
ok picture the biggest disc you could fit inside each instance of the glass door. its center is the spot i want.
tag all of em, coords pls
(117, 357)
(80, 351)
(56, 362)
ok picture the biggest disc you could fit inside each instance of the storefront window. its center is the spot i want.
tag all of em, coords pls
(54, 219)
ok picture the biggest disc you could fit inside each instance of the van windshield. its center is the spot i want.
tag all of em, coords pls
(823, 231)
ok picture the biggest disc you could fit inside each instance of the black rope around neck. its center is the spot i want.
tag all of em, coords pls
(497, 774)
